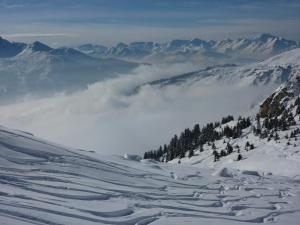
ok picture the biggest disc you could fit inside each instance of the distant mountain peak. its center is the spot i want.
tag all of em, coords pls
(121, 45)
(241, 49)
(2, 40)
(198, 41)
(66, 51)
(39, 47)
(10, 49)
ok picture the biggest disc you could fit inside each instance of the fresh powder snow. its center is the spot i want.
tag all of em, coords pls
(44, 183)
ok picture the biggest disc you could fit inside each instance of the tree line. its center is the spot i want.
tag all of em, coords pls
(195, 138)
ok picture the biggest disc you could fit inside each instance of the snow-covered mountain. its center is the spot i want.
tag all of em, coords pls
(10, 49)
(261, 46)
(93, 50)
(40, 69)
(197, 50)
(273, 71)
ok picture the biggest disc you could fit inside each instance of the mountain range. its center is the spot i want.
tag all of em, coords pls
(37, 69)
(200, 51)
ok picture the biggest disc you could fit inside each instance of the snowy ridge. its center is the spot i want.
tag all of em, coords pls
(289, 57)
(42, 183)
(10, 49)
(274, 71)
(197, 50)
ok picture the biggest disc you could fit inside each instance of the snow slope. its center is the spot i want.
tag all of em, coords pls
(272, 157)
(43, 183)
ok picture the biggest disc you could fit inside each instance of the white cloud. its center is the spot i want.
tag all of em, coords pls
(106, 118)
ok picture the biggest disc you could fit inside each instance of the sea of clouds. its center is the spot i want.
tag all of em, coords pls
(110, 118)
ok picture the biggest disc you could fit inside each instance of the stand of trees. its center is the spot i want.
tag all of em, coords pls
(189, 140)
(282, 123)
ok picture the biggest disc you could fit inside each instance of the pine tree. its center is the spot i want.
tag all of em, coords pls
(258, 125)
(191, 153)
(240, 157)
(146, 155)
(201, 148)
(237, 147)
(227, 119)
(216, 156)
(214, 146)
(223, 153)
(247, 146)
(229, 148)
(276, 137)
(196, 135)
(165, 150)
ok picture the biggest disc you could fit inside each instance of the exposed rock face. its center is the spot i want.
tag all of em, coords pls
(274, 105)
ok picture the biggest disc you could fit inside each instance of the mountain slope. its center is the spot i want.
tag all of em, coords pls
(10, 49)
(266, 142)
(274, 70)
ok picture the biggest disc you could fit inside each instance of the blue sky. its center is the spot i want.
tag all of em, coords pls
(62, 22)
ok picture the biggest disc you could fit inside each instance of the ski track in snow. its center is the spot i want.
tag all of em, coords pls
(41, 183)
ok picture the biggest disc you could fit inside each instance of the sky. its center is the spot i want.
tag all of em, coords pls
(107, 22)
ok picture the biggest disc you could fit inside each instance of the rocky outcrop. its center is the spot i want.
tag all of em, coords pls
(273, 105)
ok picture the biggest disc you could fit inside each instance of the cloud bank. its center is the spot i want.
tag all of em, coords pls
(109, 119)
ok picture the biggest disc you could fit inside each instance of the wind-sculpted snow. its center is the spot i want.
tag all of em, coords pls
(43, 183)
